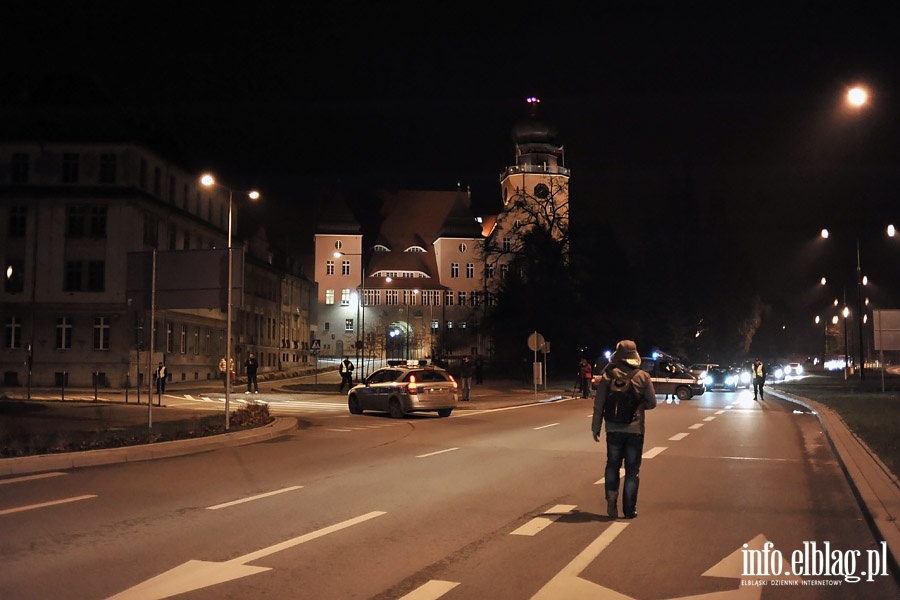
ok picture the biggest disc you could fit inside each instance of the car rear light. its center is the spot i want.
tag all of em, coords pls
(411, 386)
(455, 385)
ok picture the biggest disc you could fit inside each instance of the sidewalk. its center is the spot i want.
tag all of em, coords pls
(876, 489)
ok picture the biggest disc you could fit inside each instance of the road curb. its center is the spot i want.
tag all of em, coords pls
(91, 458)
(877, 489)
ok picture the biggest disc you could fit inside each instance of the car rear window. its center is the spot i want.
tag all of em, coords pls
(428, 375)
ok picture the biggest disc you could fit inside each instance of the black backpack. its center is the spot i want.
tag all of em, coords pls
(621, 400)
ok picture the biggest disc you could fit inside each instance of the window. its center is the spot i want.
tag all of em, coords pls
(348, 324)
(504, 270)
(157, 182)
(489, 271)
(329, 296)
(20, 162)
(391, 297)
(470, 270)
(329, 267)
(345, 267)
(142, 175)
(345, 297)
(96, 276)
(462, 298)
(63, 333)
(97, 221)
(435, 324)
(183, 339)
(173, 231)
(170, 335)
(14, 282)
(76, 215)
(409, 296)
(338, 245)
(327, 326)
(13, 338)
(18, 221)
(454, 270)
(462, 324)
(462, 248)
(507, 244)
(73, 278)
(70, 167)
(448, 298)
(196, 344)
(107, 167)
(151, 231)
(101, 333)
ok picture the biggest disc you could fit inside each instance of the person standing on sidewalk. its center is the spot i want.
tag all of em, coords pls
(224, 372)
(346, 370)
(584, 377)
(466, 370)
(759, 378)
(161, 378)
(624, 441)
(252, 367)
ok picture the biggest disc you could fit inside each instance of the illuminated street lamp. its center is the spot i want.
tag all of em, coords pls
(209, 181)
(860, 282)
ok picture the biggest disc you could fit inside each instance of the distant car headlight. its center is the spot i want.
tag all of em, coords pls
(779, 373)
(731, 380)
(798, 369)
(745, 377)
(707, 380)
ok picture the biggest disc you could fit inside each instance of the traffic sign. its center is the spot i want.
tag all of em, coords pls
(317, 345)
(535, 342)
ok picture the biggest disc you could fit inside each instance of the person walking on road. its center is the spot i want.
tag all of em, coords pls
(624, 441)
(346, 370)
(759, 379)
(252, 367)
(466, 370)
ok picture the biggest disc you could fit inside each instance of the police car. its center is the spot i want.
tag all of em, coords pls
(669, 376)
(405, 387)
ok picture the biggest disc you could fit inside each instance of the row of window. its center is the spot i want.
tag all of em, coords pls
(330, 266)
(78, 276)
(435, 325)
(12, 338)
(410, 297)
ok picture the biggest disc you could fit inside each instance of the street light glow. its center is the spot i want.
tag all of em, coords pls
(857, 96)
(824, 233)
(891, 231)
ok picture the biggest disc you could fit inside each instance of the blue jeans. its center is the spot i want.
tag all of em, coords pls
(626, 447)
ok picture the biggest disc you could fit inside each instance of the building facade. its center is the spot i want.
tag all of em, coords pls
(72, 214)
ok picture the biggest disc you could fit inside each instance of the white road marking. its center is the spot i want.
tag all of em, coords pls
(198, 574)
(567, 583)
(436, 453)
(603, 479)
(18, 509)
(31, 477)
(696, 426)
(430, 590)
(707, 419)
(538, 524)
(546, 426)
(655, 451)
(678, 437)
(719, 412)
(257, 497)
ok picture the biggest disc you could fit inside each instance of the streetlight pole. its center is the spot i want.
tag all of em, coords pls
(208, 181)
(859, 315)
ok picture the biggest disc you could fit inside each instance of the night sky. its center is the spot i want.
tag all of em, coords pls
(728, 115)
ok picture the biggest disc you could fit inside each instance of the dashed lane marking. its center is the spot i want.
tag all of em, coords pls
(431, 590)
(538, 524)
(696, 426)
(252, 498)
(32, 477)
(678, 437)
(18, 509)
(436, 453)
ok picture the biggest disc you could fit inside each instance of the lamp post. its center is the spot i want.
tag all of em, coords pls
(860, 282)
(209, 181)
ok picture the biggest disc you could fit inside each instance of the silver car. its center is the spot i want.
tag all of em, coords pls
(403, 388)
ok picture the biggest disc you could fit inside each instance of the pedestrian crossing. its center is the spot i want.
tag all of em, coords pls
(276, 407)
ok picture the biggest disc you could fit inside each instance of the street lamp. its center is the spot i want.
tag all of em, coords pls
(209, 181)
(860, 282)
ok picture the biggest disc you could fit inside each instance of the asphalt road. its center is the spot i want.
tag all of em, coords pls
(499, 504)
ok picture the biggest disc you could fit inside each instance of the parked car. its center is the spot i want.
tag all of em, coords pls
(671, 377)
(721, 378)
(402, 388)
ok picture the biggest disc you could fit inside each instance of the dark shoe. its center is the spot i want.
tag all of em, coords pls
(611, 510)
(631, 515)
